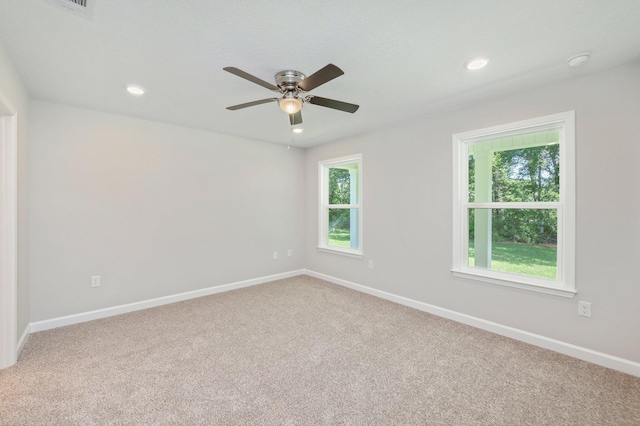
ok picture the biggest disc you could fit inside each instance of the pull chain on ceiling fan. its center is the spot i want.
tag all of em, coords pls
(293, 85)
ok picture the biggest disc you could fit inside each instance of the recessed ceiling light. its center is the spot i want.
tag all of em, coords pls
(577, 60)
(298, 130)
(476, 63)
(135, 90)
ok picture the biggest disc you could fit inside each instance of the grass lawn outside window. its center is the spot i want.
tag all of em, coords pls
(535, 260)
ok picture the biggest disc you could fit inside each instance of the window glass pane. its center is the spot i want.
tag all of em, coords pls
(517, 169)
(343, 184)
(343, 228)
(472, 179)
(521, 241)
(527, 175)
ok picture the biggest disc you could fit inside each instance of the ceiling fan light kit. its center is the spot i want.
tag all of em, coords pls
(293, 85)
(290, 103)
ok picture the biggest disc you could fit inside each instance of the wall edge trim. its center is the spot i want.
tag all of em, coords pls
(23, 340)
(152, 303)
(579, 352)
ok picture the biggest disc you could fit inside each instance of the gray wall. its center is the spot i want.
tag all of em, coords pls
(407, 198)
(154, 209)
(11, 87)
(157, 209)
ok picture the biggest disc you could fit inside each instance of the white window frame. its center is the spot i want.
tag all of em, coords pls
(323, 205)
(564, 284)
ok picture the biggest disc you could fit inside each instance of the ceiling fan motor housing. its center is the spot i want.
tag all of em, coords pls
(288, 80)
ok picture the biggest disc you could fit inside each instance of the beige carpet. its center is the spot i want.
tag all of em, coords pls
(302, 351)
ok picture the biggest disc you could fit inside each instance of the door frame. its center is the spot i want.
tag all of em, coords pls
(8, 233)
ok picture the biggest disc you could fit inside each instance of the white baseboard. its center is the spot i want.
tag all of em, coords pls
(599, 358)
(145, 304)
(23, 340)
(595, 357)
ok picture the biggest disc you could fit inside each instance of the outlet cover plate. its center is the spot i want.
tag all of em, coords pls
(95, 281)
(584, 309)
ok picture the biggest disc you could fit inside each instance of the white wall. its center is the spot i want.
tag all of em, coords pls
(12, 88)
(154, 209)
(407, 201)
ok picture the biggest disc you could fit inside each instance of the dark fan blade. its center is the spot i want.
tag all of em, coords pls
(295, 118)
(331, 103)
(248, 104)
(247, 76)
(319, 77)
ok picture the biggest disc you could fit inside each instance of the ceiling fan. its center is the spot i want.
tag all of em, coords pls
(293, 85)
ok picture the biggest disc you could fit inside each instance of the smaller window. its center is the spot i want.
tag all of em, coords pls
(340, 212)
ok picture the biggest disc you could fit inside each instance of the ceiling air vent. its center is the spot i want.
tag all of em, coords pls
(83, 7)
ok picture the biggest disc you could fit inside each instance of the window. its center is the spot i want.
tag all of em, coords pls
(514, 204)
(340, 217)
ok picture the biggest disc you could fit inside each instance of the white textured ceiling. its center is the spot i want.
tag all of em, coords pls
(402, 59)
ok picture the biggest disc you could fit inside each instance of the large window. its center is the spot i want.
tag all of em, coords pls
(514, 204)
(340, 217)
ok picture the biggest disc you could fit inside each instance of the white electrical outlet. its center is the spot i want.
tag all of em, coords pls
(584, 309)
(289, 252)
(275, 254)
(371, 264)
(95, 281)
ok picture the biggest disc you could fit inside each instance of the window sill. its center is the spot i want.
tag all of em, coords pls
(514, 281)
(342, 252)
